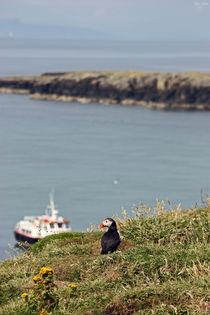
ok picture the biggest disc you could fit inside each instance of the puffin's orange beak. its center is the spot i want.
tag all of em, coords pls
(101, 226)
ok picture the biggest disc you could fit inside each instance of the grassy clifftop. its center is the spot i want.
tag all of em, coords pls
(161, 267)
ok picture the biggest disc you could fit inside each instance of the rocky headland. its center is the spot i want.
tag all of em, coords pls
(189, 90)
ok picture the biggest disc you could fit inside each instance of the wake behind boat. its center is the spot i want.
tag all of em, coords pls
(33, 228)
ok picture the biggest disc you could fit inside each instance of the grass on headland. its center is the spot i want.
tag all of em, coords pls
(161, 267)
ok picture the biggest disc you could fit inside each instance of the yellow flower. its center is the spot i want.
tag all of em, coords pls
(36, 278)
(72, 286)
(24, 295)
(46, 271)
(43, 312)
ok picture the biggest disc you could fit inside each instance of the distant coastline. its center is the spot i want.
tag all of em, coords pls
(161, 90)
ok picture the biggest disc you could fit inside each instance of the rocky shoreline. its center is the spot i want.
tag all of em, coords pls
(190, 90)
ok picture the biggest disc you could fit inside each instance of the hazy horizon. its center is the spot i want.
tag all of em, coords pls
(163, 19)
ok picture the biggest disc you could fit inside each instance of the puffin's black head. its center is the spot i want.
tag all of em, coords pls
(107, 223)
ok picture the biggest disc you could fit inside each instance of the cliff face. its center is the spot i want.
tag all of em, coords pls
(161, 90)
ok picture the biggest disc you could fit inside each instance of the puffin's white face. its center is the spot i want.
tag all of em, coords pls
(106, 223)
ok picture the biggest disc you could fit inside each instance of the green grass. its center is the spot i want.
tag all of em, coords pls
(161, 267)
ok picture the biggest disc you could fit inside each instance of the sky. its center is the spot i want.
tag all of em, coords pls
(184, 19)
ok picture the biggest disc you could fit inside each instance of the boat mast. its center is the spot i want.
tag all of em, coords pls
(54, 212)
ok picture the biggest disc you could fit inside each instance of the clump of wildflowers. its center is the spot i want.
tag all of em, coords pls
(46, 271)
(46, 274)
(43, 298)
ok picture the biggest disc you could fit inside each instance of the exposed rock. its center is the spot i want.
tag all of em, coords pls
(159, 90)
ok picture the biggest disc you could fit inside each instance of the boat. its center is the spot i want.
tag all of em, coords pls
(33, 228)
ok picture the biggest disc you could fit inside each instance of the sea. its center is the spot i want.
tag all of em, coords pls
(96, 158)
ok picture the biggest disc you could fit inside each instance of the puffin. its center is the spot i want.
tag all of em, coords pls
(111, 239)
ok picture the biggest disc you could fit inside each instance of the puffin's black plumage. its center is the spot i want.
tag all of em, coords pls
(111, 239)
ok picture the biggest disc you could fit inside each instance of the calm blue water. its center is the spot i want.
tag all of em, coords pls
(78, 150)
(38, 56)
